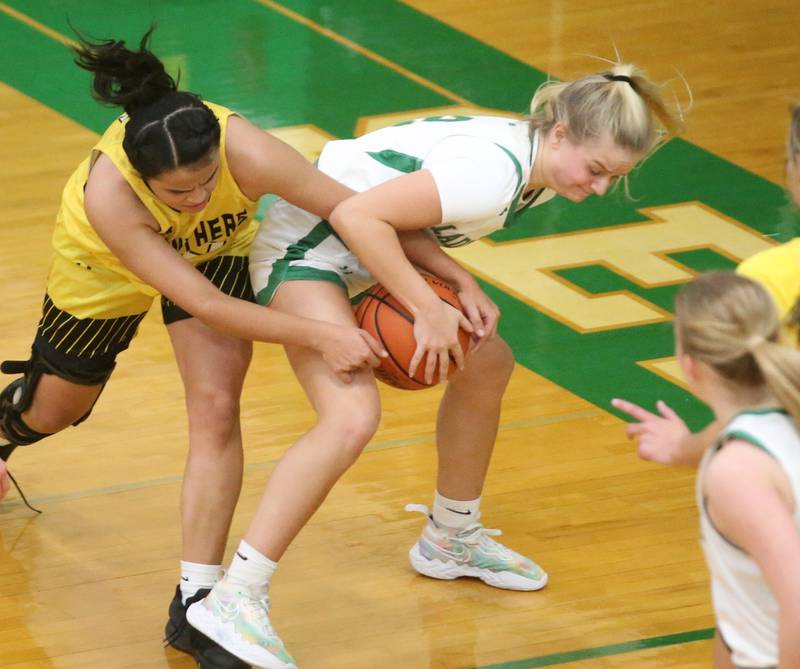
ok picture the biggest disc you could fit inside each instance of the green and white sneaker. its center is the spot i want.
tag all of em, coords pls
(238, 620)
(447, 553)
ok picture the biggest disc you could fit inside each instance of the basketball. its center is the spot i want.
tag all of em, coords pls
(386, 319)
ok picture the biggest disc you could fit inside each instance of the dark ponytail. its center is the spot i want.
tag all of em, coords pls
(167, 128)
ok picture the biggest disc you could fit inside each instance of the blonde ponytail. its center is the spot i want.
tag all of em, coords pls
(622, 102)
(730, 323)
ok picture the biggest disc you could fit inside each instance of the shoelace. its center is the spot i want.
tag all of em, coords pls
(473, 534)
(478, 535)
(260, 608)
(173, 636)
(22, 494)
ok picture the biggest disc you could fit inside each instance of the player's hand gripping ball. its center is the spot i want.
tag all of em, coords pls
(386, 319)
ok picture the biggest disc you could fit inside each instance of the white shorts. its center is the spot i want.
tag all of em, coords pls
(293, 245)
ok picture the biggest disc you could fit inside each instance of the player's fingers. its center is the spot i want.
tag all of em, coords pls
(430, 366)
(666, 411)
(444, 365)
(475, 319)
(5, 481)
(635, 430)
(491, 317)
(464, 324)
(646, 451)
(631, 409)
(458, 356)
(376, 347)
(371, 359)
(345, 377)
(415, 360)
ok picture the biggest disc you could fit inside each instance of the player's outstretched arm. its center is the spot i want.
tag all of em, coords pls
(129, 231)
(262, 164)
(664, 437)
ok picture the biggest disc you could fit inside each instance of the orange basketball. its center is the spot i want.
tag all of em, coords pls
(380, 314)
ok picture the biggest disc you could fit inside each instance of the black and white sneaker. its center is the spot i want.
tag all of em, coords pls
(180, 635)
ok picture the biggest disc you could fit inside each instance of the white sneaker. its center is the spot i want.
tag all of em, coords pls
(448, 553)
(238, 620)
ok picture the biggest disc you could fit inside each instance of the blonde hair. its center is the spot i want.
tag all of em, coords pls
(622, 102)
(730, 323)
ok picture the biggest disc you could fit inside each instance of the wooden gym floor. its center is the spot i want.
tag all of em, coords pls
(585, 293)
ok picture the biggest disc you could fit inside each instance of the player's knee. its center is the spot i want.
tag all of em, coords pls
(494, 360)
(215, 413)
(351, 432)
(53, 418)
(63, 404)
(13, 401)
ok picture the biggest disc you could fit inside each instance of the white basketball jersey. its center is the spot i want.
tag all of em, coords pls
(480, 164)
(746, 609)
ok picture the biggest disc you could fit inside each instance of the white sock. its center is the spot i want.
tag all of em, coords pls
(195, 576)
(251, 568)
(455, 513)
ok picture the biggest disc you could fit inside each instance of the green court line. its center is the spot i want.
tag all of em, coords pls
(604, 651)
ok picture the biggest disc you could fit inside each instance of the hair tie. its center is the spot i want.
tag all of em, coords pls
(620, 77)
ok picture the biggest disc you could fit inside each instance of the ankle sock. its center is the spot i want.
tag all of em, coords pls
(251, 568)
(455, 513)
(196, 576)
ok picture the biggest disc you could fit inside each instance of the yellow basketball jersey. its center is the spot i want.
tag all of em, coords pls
(225, 227)
(778, 270)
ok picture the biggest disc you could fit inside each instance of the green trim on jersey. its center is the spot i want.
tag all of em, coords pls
(435, 119)
(396, 160)
(742, 435)
(762, 412)
(512, 208)
(282, 269)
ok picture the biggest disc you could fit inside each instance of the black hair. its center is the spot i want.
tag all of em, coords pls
(166, 128)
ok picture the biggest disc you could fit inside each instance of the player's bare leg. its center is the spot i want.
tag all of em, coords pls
(454, 543)
(347, 416)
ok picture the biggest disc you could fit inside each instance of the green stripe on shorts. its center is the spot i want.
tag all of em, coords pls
(282, 270)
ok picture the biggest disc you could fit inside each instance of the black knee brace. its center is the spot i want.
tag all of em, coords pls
(14, 399)
(18, 395)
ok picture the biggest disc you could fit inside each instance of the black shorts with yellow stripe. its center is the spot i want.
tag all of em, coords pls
(84, 350)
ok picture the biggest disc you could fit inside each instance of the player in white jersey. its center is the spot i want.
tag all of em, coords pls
(476, 203)
(427, 183)
(727, 339)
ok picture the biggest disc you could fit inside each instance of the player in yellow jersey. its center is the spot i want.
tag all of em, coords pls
(164, 205)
